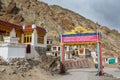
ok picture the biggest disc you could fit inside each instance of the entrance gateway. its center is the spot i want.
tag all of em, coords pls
(93, 38)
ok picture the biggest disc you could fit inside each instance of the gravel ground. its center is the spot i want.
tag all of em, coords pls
(39, 74)
(86, 74)
(92, 76)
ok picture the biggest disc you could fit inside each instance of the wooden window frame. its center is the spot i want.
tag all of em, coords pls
(27, 38)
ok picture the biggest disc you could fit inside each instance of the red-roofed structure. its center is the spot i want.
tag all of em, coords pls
(39, 29)
(10, 25)
(21, 41)
(25, 34)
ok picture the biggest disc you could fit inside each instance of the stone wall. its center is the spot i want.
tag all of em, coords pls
(41, 50)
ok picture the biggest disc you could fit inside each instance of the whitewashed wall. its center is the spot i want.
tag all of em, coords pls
(8, 51)
(18, 52)
(4, 52)
(12, 52)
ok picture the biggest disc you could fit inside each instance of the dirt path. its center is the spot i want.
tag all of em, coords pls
(90, 74)
(40, 74)
(113, 71)
(75, 75)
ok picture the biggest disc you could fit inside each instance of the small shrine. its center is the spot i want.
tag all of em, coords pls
(21, 41)
(11, 48)
(30, 34)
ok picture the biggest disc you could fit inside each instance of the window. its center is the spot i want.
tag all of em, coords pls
(65, 48)
(24, 39)
(1, 37)
(54, 48)
(58, 48)
(56, 54)
(47, 42)
(48, 49)
(27, 38)
(30, 38)
(81, 51)
(41, 40)
(51, 42)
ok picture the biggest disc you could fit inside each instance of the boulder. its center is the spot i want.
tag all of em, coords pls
(2, 70)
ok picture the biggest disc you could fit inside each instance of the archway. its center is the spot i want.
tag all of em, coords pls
(93, 38)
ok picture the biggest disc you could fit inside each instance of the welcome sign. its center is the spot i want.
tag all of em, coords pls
(86, 37)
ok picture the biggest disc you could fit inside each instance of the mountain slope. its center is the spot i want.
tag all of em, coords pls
(55, 19)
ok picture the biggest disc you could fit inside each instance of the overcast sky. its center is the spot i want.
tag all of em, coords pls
(105, 12)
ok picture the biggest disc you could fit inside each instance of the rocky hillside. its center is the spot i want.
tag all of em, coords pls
(56, 20)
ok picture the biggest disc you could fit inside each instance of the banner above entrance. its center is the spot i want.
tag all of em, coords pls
(81, 37)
